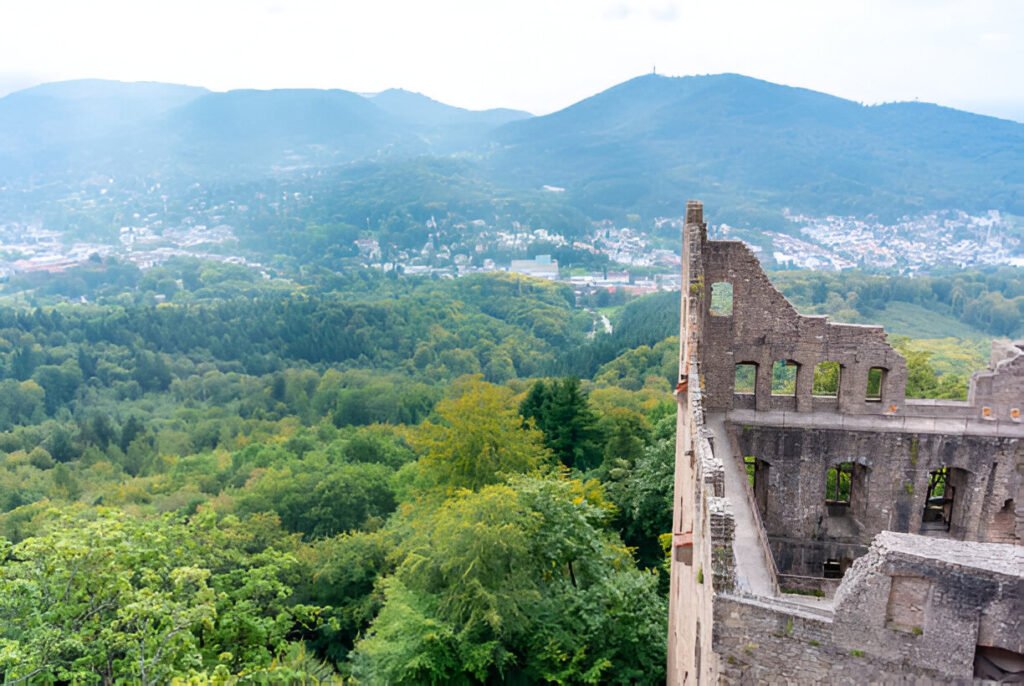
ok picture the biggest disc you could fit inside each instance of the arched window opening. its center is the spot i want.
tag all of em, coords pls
(757, 476)
(938, 505)
(839, 484)
(746, 378)
(784, 377)
(826, 379)
(876, 381)
(721, 299)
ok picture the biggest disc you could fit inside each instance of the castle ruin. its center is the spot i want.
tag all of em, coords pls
(826, 528)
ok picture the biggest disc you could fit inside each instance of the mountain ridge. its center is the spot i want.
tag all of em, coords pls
(744, 144)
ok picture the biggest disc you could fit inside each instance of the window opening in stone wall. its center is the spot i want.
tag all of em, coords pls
(826, 379)
(838, 482)
(832, 569)
(746, 377)
(876, 379)
(750, 462)
(757, 475)
(721, 299)
(938, 505)
(784, 377)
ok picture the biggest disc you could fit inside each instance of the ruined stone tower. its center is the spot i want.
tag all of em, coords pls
(826, 528)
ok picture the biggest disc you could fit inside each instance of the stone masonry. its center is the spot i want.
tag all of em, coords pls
(836, 533)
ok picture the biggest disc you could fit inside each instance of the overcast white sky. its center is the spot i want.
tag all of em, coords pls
(538, 55)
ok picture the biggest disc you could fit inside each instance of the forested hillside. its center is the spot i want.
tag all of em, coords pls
(252, 480)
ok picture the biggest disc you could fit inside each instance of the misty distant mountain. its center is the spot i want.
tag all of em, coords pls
(273, 129)
(441, 128)
(76, 111)
(424, 112)
(747, 146)
(47, 128)
(83, 127)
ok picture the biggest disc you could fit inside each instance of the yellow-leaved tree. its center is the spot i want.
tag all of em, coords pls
(477, 439)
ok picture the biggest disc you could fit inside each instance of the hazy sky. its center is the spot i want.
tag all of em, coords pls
(538, 55)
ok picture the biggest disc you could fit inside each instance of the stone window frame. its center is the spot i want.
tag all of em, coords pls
(884, 373)
(840, 469)
(722, 295)
(839, 379)
(788, 362)
(747, 363)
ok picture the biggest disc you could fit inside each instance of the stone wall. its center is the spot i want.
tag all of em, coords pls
(764, 328)
(930, 606)
(765, 642)
(999, 388)
(891, 473)
(908, 612)
(702, 558)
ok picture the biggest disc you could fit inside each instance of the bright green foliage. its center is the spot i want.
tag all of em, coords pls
(645, 321)
(965, 304)
(112, 599)
(826, 378)
(322, 501)
(784, 377)
(103, 597)
(343, 579)
(876, 376)
(626, 433)
(922, 380)
(958, 357)
(634, 368)
(721, 299)
(745, 378)
(477, 439)
(409, 644)
(517, 580)
(838, 482)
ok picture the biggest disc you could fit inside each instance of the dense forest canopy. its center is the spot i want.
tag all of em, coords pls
(242, 478)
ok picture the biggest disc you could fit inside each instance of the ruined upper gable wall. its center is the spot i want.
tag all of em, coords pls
(765, 327)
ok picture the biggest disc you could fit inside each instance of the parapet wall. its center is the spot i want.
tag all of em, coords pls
(998, 390)
(703, 562)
